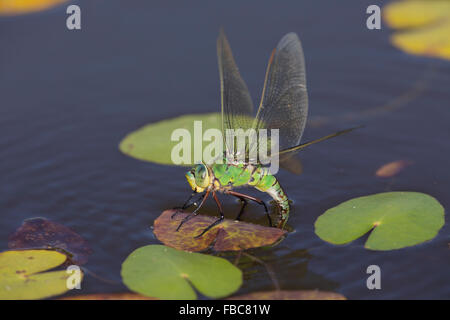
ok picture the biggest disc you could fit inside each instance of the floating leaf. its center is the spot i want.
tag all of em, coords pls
(20, 276)
(424, 26)
(14, 7)
(230, 235)
(290, 295)
(153, 142)
(165, 273)
(40, 233)
(108, 296)
(392, 168)
(398, 220)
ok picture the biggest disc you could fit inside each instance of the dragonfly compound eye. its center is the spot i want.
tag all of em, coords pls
(201, 175)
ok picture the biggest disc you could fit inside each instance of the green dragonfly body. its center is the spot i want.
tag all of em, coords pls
(283, 106)
(224, 177)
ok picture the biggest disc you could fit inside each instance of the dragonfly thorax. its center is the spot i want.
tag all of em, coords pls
(221, 177)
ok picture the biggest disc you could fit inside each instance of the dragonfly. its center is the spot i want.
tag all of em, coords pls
(283, 106)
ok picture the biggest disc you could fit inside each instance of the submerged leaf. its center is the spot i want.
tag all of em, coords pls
(290, 295)
(424, 26)
(392, 168)
(397, 220)
(21, 277)
(165, 273)
(230, 235)
(153, 142)
(40, 233)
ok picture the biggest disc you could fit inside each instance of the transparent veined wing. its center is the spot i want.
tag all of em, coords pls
(284, 101)
(237, 106)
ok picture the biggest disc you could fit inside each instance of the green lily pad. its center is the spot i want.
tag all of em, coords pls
(21, 274)
(153, 141)
(395, 219)
(165, 273)
(108, 296)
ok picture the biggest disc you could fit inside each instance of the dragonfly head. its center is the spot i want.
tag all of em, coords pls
(198, 177)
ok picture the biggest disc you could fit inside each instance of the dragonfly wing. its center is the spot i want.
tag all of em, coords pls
(292, 163)
(292, 150)
(237, 106)
(284, 101)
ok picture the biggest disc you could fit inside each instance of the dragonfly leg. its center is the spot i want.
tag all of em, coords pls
(259, 201)
(189, 203)
(222, 217)
(244, 204)
(195, 212)
(241, 211)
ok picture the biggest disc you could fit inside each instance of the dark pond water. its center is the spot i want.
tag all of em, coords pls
(68, 98)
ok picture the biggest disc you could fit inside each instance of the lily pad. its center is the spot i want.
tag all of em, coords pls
(395, 219)
(153, 141)
(109, 296)
(423, 26)
(165, 273)
(392, 168)
(40, 233)
(290, 295)
(15, 7)
(21, 277)
(230, 235)
(398, 220)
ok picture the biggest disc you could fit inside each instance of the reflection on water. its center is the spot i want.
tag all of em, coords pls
(68, 98)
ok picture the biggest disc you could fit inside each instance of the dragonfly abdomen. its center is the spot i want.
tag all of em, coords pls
(269, 183)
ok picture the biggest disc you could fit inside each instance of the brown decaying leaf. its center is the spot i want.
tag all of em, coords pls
(392, 168)
(40, 233)
(229, 235)
(290, 295)
(109, 296)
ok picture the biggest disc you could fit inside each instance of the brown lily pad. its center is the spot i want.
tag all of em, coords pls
(392, 168)
(109, 296)
(230, 235)
(40, 233)
(290, 295)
